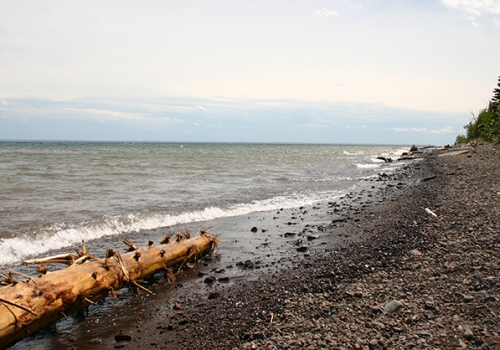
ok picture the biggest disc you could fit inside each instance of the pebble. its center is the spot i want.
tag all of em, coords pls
(468, 298)
(378, 324)
(468, 334)
(120, 344)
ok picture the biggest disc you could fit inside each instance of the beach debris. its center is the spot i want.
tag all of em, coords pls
(30, 305)
(429, 178)
(431, 212)
(385, 159)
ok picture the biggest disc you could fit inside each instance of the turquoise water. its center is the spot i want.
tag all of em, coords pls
(54, 194)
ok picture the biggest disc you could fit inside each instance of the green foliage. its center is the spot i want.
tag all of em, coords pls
(486, 126)
(461, 139)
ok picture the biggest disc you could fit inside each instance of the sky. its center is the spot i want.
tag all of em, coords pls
(346, 71)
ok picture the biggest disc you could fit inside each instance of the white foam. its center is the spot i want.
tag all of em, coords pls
(57, 236)
(359, 153)
(369, 166)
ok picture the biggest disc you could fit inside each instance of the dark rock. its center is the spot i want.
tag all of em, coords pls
(210, 280)
(489, 299)
(122, 337)
(214, 295)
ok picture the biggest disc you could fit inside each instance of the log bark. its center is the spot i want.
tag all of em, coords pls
(31, 305)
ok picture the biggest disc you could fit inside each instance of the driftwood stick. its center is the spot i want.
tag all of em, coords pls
(122, 265)
(141, 287)
(68, 259)
(431, 212)
(82, 259)
(97, 259)
(29, 278)
(84, 251)
(90, 301)
(5, 301)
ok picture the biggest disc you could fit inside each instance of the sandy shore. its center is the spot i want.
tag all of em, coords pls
(373, 269)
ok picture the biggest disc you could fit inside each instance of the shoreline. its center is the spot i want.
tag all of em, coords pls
(330, 296)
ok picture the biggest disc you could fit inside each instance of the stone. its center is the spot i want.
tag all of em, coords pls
(468, 334)
(489, 299)
(121, 337)
(213, 295)
(209, 280)
(393, 306)
(416, 252)
(468, 298)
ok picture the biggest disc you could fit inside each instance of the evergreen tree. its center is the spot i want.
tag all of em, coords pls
(496, 94)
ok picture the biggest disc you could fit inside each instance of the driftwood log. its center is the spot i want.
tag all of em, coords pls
(30, 305)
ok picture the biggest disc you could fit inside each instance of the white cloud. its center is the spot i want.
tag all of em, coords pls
(200, 108)
(446, 130)
(474, 7)
(496, 22)
(324, 12)
(123, 115)
(5, 103)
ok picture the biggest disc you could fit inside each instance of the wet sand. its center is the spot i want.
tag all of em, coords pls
(319, 276)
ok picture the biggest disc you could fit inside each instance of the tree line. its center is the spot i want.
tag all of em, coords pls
(486, 125)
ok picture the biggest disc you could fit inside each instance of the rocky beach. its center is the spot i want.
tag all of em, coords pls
(411, 260)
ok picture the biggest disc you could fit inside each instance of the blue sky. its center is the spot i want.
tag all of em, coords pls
(389, 72)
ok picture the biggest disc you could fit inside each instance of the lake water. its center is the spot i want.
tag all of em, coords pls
(54, 194)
